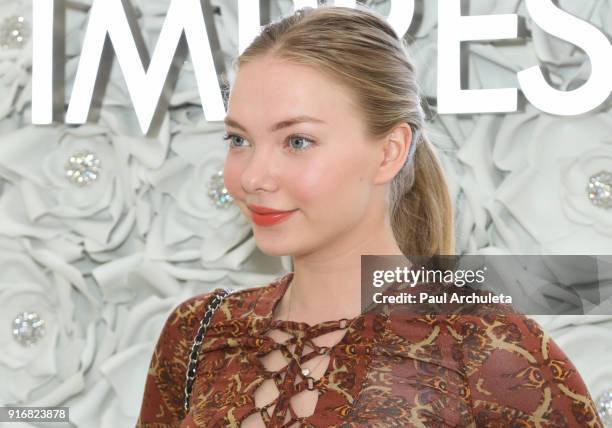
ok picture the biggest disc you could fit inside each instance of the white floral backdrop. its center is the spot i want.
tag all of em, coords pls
(97, 259)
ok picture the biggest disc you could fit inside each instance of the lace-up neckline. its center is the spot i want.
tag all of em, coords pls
(297, 350)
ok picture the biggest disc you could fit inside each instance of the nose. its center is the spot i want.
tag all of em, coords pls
(258, 174)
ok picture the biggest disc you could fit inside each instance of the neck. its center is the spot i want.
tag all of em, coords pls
(326, 285)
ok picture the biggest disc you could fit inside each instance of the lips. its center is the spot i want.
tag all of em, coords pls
(264, 216)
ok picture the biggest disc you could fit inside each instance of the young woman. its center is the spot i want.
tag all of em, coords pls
(329, 159)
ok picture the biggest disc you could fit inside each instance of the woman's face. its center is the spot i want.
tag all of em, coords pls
(323, 167)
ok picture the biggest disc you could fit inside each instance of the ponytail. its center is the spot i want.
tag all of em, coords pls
(421, 211)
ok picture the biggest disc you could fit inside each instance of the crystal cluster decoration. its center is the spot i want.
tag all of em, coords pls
(83, 168)
(14, 32)
(218, 192)
(599, 189)
(604, 407)
(28, 328)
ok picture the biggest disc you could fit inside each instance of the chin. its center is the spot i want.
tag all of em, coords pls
(273, 251)
(268, 244)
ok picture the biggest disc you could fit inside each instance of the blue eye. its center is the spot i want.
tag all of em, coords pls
(301, 147)
(232, 139)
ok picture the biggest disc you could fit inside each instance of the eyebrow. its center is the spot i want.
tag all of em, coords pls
(280, 125)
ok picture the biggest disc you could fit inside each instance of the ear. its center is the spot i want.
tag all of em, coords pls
(394, 150)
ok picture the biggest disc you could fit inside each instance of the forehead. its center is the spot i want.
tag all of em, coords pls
(269, 89)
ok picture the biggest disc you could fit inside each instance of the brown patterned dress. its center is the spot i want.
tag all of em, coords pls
(387, 370)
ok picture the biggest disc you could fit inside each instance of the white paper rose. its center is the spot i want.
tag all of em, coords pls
(550, 160)
(65, 181)
(576, 171)
(46, 311)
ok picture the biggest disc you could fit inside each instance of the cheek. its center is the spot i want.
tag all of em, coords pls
(231, 176)
(329, 182)
(312, 183)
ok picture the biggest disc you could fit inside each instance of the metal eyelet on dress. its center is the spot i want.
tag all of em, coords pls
(277, 376)
(310, 383)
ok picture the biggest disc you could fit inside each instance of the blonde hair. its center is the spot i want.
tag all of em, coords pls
(359, 50)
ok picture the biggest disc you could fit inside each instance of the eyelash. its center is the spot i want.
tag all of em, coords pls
(312, 142)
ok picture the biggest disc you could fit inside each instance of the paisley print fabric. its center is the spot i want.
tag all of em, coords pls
(389, 370)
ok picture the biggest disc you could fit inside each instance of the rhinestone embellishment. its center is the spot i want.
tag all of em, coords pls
(599, 189)
(83, 168)
(604, 407)
(305, 372)
(14, 32)
(218, 192)
(28, 328)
